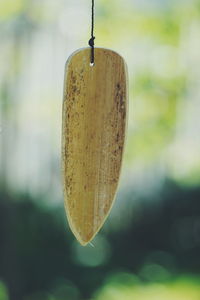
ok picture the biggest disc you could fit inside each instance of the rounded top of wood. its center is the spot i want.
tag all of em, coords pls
(97, 50)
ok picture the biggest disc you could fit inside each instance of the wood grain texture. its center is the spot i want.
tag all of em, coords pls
(93, 136)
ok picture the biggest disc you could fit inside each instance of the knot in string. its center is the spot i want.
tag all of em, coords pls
(91, 41)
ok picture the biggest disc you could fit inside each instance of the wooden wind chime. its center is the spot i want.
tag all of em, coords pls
(93, 135)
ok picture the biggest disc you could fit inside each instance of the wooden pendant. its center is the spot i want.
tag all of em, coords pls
(93, 135)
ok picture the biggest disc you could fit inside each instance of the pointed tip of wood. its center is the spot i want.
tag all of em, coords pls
(85, 236)
(84, 240)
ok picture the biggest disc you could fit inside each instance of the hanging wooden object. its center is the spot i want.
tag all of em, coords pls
(93, 135)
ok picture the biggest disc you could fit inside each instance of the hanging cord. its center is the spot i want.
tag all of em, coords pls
(91, 40)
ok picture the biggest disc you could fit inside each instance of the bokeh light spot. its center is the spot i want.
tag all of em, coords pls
(92, 256)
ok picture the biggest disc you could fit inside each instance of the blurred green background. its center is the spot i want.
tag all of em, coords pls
(149, 248)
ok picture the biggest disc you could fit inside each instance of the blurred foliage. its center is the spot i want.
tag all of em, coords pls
(39, 258)
(3, 291)
(149, 247)
(183, 289)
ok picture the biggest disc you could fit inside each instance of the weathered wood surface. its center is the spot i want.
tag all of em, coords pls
(93, 135)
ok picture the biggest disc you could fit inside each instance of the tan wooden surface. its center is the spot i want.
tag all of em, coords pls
(93, 134)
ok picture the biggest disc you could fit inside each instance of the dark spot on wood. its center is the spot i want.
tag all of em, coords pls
(121, 100)
(117, 137)
(115, 152)
(73, 77)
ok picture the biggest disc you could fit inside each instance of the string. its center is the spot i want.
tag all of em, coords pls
(91, 40)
